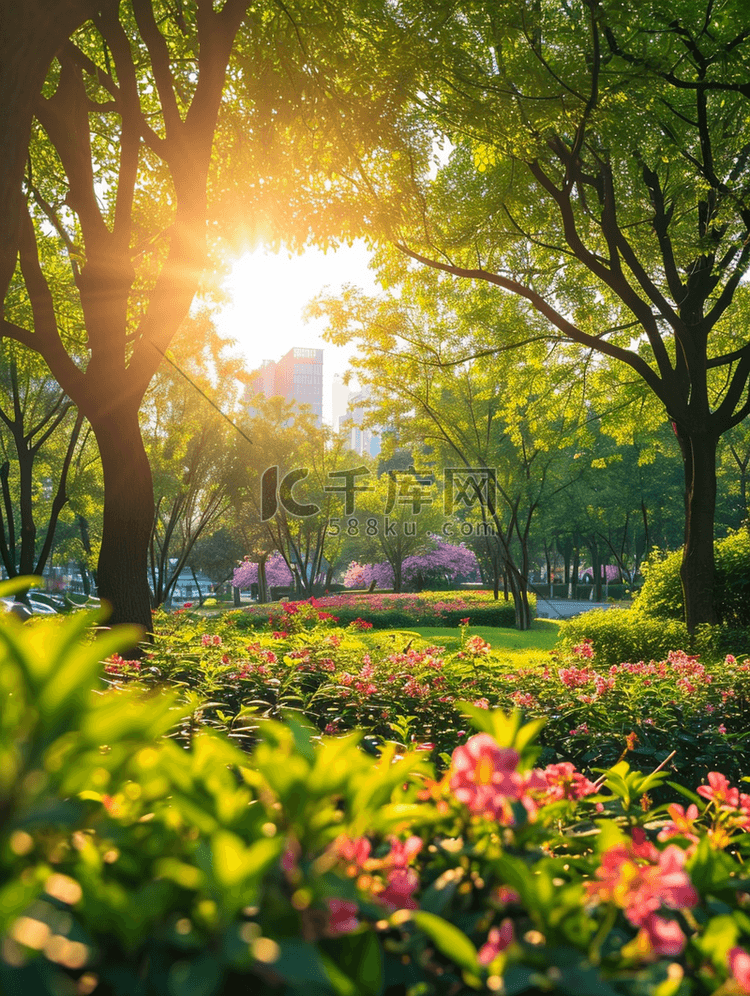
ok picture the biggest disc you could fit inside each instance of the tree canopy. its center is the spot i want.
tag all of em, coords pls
(599, 172)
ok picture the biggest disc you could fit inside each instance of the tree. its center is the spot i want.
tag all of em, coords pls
(32, 34)
(197, 457)
(395, 520)
(600, 173)
(40, 439)
(289, 496)
(496, 444)
(116, 240)
(121, 163)
(217, 554)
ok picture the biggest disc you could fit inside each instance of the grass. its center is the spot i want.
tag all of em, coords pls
(515, 646)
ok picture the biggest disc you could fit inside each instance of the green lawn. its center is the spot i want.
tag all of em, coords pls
(518, 646)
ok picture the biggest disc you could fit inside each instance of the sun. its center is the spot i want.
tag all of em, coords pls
(268, 294)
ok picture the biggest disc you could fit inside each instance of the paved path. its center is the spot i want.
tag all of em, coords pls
(563, 608)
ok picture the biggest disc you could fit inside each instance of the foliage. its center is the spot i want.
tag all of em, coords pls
(130, 865)
(661, 594)
(497, 451)
(197, 458)
(596, 179)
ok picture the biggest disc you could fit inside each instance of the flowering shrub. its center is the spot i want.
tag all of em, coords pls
(130, 865)
(399, 687)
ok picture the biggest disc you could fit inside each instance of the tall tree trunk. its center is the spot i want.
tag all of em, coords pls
(698, 569)
(83, 526)
(263, 593)
(122, 575)
(83, 571)
(32, 32)
(519, 590)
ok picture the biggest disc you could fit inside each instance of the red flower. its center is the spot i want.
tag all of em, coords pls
(661, 937)
(397, 895)
(342, 917)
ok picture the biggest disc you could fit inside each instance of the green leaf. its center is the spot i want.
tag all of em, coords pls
(200, 977)
(692, 796)
(234, 863)
(451, 941)
(717, 937)
(359, 957)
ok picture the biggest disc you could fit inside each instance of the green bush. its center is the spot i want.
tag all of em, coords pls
(626, 635)
(661, 594)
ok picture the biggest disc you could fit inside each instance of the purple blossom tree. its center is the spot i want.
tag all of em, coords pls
(277, 573)
(446, 562)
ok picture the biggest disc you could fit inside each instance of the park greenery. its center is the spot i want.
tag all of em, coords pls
(382, 775)
(357, 811)
(524, 238)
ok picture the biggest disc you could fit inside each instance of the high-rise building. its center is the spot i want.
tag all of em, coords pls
(339, 402)
(349, 412)
(298, 376)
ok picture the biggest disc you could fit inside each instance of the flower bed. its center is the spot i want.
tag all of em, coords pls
(397, 687)
(131, 865)
(391, 611)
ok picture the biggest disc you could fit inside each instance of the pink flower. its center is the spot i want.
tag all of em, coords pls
(464, 622)
(482, 777)
(399, 889)
(683, 823)
(640, 879)
(342, 917)
(739, 965)
(566, 783)
(498, 939)
(718, 790)
(354, 851)
(403, 852)
(584, 649)
(477, 646)
(662, 937)
(573, 677)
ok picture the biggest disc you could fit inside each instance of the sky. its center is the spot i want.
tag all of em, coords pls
(268, 293)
